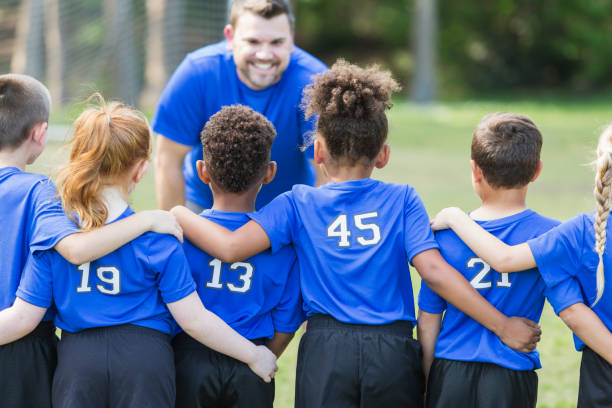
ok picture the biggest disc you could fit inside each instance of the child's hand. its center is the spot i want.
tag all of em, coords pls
(163, 222)
(520, 334)
(443, 219)
(264, 363)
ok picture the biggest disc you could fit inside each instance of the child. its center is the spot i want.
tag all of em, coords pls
(115, 348)
(259, 297)
(33, 220)
(352, 238)
(473, 368)
(571, 259)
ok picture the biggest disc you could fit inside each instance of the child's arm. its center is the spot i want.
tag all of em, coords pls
(428, 330)
(502, 257)
(228, 246)
(210, 330)
(586, 324)
(279, 342)
(19, 320)
(88, 246)
(518, 333)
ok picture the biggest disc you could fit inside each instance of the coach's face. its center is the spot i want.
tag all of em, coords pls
(261, 47)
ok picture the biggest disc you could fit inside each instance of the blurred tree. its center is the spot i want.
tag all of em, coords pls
(510, 44)
(155, 73)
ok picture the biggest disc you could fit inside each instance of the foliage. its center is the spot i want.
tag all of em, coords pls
(505, 44)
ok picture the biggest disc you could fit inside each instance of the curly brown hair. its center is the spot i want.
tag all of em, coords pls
(350, 103)
(236, 143)
(506, 147)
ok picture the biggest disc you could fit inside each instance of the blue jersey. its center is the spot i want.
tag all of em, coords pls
(567, 261)
(514, 294)
(128, 286)
(31, 220)
(206, 81)
(257, 296)
(353, 241)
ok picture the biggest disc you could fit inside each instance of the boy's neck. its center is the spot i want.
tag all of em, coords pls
(14, 158)
(500, 203)
(234, 202)
(338, 174)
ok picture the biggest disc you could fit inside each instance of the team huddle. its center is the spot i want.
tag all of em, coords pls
(150, 320)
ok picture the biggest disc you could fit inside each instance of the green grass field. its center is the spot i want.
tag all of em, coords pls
(430, 150)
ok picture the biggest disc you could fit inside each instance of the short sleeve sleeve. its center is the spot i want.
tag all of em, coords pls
(558, 255)
(288, 315)
(558, 252)
(49, 223)
(173, 274)
(418, 236)
(36, 282)
(180, 114)
(278, 219)
(430, 301)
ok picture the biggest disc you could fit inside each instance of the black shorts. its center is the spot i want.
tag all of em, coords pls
(595, 388)
(26, 369)
(355, 365)
(480, 385)
(118, 366)
(206, 378)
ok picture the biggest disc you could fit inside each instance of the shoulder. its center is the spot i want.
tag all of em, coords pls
(209, 59)
(303, 66)
(539, 223)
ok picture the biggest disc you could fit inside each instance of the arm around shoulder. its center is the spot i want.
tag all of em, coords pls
(218, 241)
(502, 257)
(87, 246)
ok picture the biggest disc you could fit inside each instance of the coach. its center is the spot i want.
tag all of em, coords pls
(257, 66)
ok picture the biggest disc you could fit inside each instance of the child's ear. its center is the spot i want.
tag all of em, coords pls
(202, 172)
(141, 169)
(383, 156)
(476, 172)
(318, 151)
(538, 171)
(270, 172)
(228, 32)
(38, 133)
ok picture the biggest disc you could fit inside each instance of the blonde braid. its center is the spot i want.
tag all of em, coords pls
(603, 179)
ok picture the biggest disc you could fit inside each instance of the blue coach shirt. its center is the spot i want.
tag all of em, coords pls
(567, 261)
(206, 81)
(514, 294)
(30, 220)
(257, 296)
(130, 285)
(353, 242)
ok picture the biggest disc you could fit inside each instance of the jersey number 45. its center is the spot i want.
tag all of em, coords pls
(340, 228)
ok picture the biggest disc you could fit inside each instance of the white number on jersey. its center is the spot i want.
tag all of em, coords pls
(215, 280)
(477, 281)
(109, 275)
(339, 228)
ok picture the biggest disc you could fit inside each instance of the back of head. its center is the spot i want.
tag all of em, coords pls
(263, 8)
(506, 147)
(24, 102)
(350, 103)
(108, 141)
(236, 142)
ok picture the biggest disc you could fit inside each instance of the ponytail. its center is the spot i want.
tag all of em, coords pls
(602, 190)
(107, 142)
